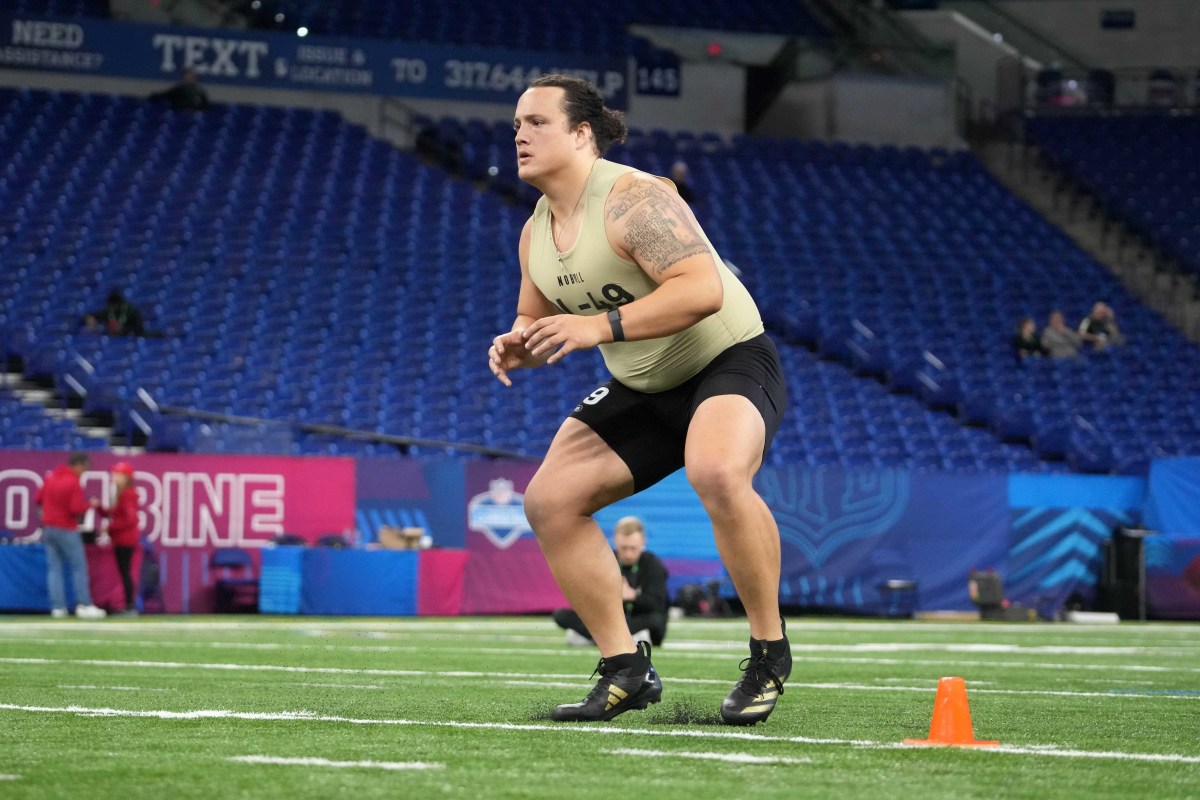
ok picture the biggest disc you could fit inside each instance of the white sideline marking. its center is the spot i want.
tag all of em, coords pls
(309, 716)
(564, 653)
(10, 777)
(571, 681)
(734, 758)
(325, 762)
(688, 649)
(343, 685)
(1007, 664)
(114, 688)
(302, 626)
(942, 647)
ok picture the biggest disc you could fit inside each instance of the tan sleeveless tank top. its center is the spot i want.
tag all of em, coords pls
(592, 279)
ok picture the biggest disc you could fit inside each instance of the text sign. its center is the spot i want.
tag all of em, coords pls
(200, 500)
(284, 61)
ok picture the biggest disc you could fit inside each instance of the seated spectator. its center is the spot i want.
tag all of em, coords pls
(1100, 328)
(1025, 341)
(187, 95)
(1058, 340)
(644, 589)
(679, 176)
(119, 317)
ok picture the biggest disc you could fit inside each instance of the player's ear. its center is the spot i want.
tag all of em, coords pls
(584, 135)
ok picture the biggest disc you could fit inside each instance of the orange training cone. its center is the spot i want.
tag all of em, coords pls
(951, 724)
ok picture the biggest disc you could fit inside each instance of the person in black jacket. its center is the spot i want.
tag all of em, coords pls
(644, 591)
(1025, 341)
(187, 95)
(119, 317)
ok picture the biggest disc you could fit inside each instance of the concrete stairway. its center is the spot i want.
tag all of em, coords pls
(56, 404)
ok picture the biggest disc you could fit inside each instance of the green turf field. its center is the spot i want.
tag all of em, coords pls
(294, 708)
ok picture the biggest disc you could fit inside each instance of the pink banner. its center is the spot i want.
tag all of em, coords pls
(192, 504)
(441, 578)
(200, 500)
(506, 573)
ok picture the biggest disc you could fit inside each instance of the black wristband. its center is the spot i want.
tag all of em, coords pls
(614, 319)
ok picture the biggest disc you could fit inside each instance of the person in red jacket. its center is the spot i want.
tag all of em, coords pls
(123, 528)
(63, 504)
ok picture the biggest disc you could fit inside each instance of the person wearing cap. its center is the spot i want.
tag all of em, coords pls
(123, 528)
(63, 506)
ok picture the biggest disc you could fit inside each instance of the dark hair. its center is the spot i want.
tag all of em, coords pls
(78, 458)
(115, 298)
(583, 103)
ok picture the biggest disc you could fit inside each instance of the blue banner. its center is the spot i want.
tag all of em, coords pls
(285, 61)
(1173, 497)
(845, 534)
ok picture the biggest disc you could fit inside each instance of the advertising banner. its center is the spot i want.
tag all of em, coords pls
(200, 500)
(272, 60)
(193, 504)
(1173, 497)
(845, 534)
(506, 572)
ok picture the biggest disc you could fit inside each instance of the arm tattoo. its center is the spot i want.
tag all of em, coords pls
(657, 232)
(630, 197)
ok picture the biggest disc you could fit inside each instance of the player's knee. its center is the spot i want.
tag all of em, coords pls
(544, 504)
(716, 481)
(535, 506)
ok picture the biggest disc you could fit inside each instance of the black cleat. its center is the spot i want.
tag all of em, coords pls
(753, 698)
(617, 691)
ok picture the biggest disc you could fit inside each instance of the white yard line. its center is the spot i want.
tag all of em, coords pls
(733, 758)
(9, 777)
(325, 762)
(572, 680)
(572, 729)
(563, 652)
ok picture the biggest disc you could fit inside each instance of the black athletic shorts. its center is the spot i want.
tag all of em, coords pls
(648, 430)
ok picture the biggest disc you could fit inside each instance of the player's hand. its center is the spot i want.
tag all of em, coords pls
(566, 332)
(628, 593)
(507, 353)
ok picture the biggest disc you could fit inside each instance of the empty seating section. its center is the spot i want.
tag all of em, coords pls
(298, 270)
(927, 253)
(1144, 168)
(560, 26)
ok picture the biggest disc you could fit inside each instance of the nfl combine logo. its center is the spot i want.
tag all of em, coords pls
(499, 514)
